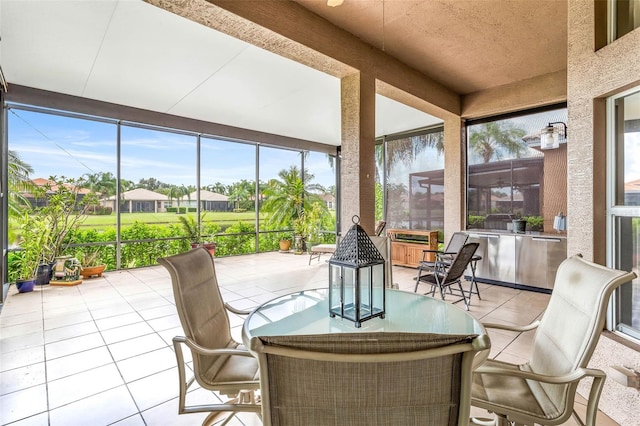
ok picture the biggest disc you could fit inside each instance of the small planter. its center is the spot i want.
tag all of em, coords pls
(90, 271)
(211, 247)
(43, 275)
(25, 286)
(285, 245)
(519, 226)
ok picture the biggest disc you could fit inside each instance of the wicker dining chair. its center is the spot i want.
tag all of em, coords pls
(219, 362)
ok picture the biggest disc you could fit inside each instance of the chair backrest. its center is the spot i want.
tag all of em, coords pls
(366, 379)
(458, 239)
(380, 225)
(199, 303)
(571, 325)
(460, 262)
(383, 244)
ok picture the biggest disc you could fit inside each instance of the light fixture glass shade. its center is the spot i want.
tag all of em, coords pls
(334, 3)
(549, 138)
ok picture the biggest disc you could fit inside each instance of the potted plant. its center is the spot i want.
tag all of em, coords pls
(285, 244)
(299, 233)
(63, 211)
(91, 263)
(33, 241)
(193, 232)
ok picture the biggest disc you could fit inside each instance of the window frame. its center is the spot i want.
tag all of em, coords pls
(615, 211)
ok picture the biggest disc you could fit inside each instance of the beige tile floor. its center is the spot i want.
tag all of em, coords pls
(100, 353)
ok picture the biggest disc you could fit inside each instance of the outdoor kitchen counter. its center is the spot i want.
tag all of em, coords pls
(527, 260)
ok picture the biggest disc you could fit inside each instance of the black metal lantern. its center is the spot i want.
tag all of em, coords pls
(356, 278)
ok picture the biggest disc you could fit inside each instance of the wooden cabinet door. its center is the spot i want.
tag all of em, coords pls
(414, 254)
(397, 254)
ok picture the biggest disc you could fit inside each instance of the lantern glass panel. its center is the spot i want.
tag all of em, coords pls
(377, 288)
(349, 276)
(365, 293)
(335, 288)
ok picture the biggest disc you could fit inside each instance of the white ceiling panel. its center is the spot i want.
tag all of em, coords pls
(394, 117)
(154, 58)
(52, 45)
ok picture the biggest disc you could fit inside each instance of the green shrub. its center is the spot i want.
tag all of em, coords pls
(535, 223)
(476, 221)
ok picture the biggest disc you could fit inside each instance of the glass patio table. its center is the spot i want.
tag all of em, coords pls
(307, 312)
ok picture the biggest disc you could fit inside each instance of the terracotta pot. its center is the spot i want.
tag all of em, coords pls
(89, 271)
(285, 245)
(211, 247)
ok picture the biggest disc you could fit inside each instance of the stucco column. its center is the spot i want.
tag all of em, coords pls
(357, 172)
(454, 177)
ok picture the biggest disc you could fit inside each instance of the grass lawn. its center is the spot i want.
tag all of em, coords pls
(165, 218)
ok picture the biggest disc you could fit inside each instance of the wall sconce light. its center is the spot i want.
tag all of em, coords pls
(334, 3)
(550, 135)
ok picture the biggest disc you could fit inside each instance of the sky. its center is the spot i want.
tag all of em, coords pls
(63, 146)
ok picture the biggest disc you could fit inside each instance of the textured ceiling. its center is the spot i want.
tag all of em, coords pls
(135, 54)
(466, 45)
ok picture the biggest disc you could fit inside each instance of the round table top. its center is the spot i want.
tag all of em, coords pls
(307, 312)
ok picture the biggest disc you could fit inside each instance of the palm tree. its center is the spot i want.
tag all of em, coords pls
(407, 149)
(288, 197)
(493, 139)
(19, 182)
(101, 183)
(241, 193)
(218, 187)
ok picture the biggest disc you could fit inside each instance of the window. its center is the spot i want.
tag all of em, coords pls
(625, 17)
(143, 186)
(624, 211)
(413, 180)
(510, 176)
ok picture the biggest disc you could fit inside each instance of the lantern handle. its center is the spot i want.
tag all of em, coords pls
(355, 219)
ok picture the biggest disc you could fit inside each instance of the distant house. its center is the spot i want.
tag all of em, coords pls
(329, 200)
(632, 193)
(53, 187)
(209, 201)
(139, 200)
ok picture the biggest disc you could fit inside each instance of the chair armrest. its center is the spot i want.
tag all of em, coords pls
(236, 310)
(206, 351)
(431, 251)
(518, 328)
(574, 376)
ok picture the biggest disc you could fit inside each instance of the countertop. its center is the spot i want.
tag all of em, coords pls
(526, 234)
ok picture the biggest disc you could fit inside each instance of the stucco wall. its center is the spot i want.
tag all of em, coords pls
(592, 76)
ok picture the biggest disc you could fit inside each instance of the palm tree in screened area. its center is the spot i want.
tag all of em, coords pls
(19, 181)
(490, 141)
(287, 197)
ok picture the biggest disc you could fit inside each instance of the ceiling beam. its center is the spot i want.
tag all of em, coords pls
(43, 98)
